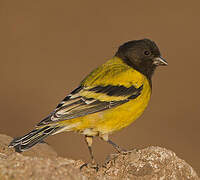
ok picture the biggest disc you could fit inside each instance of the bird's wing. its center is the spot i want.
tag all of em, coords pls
(85, 100)
(108, 86)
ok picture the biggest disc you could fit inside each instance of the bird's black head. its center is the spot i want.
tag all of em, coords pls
(143, 55)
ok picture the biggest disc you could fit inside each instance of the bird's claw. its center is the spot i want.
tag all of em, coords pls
(112, 157)
(90, 165)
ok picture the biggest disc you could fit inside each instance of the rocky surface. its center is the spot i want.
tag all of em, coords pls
(42, 162)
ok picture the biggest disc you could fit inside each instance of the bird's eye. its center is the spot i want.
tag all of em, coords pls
(147, 53)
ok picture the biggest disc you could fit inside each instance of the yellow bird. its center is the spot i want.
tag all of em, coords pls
(110, 98)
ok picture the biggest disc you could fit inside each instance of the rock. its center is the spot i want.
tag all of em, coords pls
(4, 141)
(39, 150)
(42, 162)
(146, 164)
(19, 167)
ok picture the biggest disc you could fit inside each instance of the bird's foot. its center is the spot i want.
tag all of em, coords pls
(91, 166)
(112, 157)
(125, 152)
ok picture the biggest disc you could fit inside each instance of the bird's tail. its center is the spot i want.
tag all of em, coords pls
(37, 135)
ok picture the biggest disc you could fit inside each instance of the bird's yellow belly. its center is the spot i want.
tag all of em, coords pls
(122, 116)
(111, 120)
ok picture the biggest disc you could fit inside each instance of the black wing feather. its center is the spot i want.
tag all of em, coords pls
(74, 105)
(114, 90)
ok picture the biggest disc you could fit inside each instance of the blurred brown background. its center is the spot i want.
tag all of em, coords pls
(47, 47)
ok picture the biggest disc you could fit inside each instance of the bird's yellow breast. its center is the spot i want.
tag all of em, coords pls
(122, 116)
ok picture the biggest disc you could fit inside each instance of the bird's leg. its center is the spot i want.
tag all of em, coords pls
(116, 147)
(119, 149)
(88, 140)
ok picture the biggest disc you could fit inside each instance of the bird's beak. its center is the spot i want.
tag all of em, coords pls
(159, 61)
